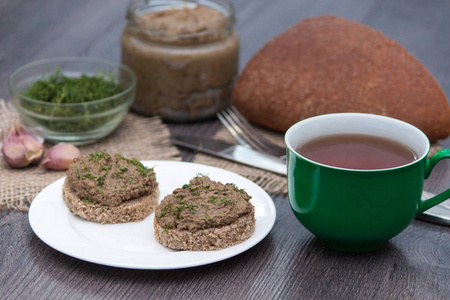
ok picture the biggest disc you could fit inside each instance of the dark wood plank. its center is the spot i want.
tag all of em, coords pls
(288, 264)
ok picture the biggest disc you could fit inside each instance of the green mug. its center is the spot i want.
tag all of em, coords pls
(358, 210)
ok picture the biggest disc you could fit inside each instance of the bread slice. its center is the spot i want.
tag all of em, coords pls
(215, 238)
(134, 210)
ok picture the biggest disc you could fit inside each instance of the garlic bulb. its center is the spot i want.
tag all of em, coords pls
(60, 156)
(20, 148)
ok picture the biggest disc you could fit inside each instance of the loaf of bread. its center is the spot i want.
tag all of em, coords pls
(328, 64)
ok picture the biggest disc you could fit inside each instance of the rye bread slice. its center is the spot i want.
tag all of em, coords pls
(214, 238)
(134, 210)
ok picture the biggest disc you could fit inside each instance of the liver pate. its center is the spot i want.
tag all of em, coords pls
(203, 204)
(185, 59)
(109, 180)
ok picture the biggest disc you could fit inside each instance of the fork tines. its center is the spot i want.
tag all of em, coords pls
(245, 134)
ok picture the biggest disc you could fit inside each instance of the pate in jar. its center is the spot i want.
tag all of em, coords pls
(185, 55)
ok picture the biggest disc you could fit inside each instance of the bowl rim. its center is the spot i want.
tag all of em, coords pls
(72, 59)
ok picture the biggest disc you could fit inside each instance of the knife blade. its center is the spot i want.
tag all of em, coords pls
(237, 153)
(439, 214)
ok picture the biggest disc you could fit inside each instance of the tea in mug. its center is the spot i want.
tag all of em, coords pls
(357, 151)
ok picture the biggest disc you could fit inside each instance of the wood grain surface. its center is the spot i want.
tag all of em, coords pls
(289, 263)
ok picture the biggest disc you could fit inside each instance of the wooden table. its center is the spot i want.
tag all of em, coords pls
(290, 263)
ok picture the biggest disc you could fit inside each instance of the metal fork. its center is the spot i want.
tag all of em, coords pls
(245, 134)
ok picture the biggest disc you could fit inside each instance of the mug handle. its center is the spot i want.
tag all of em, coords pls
(429, 203)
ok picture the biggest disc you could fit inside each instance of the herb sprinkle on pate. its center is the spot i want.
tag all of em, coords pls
(202, 204)
(110, 179)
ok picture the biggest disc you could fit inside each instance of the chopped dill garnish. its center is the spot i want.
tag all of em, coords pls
(208, 217)
(164, 211)
(238, 189)
(213, 199)
(118, 174)
(95, 156)
(222, 192)
(88, 175)
(141, 168)
(226, 201)
(182, 205)
(56, 88)
(166, 230)
(101, 178)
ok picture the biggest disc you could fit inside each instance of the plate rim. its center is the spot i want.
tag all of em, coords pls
(222, 254)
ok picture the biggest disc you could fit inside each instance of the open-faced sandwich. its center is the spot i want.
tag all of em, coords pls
(204, 215)
(110, 189)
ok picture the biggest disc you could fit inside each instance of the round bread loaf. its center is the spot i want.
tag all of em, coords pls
(328, 64)
(134, 210)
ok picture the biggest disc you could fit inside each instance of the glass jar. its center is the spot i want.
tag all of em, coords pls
(185, 54)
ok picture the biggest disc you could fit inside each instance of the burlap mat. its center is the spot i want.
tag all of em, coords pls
(271, 182)
(138, 137)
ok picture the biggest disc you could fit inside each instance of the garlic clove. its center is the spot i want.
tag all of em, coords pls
(60, 156)
(20, 148)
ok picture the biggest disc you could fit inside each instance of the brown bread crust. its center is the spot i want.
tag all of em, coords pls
(328, 64)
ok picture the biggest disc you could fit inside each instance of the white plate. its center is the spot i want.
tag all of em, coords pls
(133, 245)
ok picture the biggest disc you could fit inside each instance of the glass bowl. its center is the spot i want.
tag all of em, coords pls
(76, 123)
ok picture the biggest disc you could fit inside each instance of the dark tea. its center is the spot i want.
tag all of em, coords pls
(357, 151)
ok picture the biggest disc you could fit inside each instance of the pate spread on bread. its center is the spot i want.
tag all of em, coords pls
(204, 215)
(328, 64)
(110, 189)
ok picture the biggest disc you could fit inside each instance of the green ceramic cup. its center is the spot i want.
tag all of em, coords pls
(358, 210)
